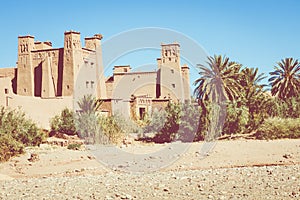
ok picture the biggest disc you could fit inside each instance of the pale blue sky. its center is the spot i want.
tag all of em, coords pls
(254, 33)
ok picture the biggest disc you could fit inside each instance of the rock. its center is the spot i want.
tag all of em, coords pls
(287, 156)
(34, 157)
(91, 157)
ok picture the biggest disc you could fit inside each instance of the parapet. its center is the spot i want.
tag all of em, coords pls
(42, 45)
(71, 31)
(96, 36)
(185, 66)
(26, 36)
(122, 69)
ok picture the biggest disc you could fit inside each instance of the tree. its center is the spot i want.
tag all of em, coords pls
(219, 81)
(254, 96)
(87, 121)
(89, 104)
(285, 80)
(64, 122)
(218, 84)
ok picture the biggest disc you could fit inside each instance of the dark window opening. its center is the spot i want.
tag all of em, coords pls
(173, 85)
(142, 113)
(87, 84)
(92, 84)
(6, 91)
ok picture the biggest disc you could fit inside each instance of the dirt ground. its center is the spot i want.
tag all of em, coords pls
(259, 169)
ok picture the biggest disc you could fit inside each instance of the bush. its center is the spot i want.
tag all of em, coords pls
(74, 146)
(9, 147)
(276, 128)
(111, 129)
(237, 117)
(180, 123)
(156, 121)
(16, 131)
(64, 122)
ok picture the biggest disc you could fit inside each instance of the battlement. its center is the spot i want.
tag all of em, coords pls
(38, 45)
(71, 31)
(122, 69)
(96, 36)
(26, 36)
(171, 44)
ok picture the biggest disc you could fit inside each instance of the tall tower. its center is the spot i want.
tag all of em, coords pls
(185, 71)
(73, 60)
(170, 72)
(94, 43)
(25, 73)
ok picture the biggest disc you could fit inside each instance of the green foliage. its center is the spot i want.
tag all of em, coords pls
(276, 128)
(180, 123)
(237, 117)
(174, 113)
(218, 80)
(156, 121)
(189, 120)
(89, 104)
(87, 121)
(16, 132)
(285, 80)
(9, 147)
(74, 146)
(288, 108)
(111, 129)
(64, 122)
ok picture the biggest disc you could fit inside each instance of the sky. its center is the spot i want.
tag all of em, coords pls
(256, 33)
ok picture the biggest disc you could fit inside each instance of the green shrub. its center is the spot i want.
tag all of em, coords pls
(111, 129)
(64, 122)
(181, 122)
(237, 117)
(16, 131)
(74, 146)
(9, 147)
(276, 128)
(156, 121)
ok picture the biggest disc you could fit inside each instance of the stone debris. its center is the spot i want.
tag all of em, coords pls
(266, 182)
(34, 157)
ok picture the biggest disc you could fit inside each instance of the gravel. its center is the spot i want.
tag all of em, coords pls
(267, 182)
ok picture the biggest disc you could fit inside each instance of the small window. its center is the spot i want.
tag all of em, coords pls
(25, 90)
(172, 71)
(6, 91)
(87, 84)
(68, 87)
(173, 85)
(92, 63)
(92, 84)
(169, 59)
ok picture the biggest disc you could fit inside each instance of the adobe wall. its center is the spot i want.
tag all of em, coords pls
(38, 109)
(7, 72)
(5, 90)
(135, 83)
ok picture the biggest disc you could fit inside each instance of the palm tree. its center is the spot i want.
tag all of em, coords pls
(89, 104)
(254, 95)
(219, 81)
(285, 80)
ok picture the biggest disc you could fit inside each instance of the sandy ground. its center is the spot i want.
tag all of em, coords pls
(240, 169)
